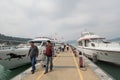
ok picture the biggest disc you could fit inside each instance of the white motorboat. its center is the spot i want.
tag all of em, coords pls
(41, 43)
(12, 57)
(95, 47)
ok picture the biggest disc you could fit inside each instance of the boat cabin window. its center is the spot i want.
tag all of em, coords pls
(86, 43)
(97, 40)
(92, 44)
(80, 43)
(44, 43)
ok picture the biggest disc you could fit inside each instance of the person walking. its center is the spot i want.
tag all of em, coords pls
(67, 47)
(62, 46)
(49, 54)
(33, 53)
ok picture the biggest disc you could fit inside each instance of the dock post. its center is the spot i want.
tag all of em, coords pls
(81, 60)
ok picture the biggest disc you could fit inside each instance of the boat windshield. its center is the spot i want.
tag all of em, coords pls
(97, 40)
(37, 43)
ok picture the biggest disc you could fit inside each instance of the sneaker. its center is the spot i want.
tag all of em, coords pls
(45, 72)
(51, 70)
(33, 72)
(44, 65)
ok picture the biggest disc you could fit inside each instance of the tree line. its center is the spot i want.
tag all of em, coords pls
(4, 38)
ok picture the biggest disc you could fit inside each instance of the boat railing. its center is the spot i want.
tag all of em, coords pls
(107, 44)
(4, 48)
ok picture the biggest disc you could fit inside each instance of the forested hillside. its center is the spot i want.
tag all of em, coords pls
(12, 39)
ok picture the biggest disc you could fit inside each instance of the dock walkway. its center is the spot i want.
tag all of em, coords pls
(65, 68)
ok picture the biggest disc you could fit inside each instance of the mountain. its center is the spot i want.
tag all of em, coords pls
(72, 42)
(4, 38)
(115, 40)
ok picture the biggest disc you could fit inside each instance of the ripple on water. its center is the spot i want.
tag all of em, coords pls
(4, 73)
(8, 74)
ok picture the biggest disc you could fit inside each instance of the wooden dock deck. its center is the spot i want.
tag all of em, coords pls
(65, 68)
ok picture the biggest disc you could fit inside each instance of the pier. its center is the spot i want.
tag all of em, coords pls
(65, 68)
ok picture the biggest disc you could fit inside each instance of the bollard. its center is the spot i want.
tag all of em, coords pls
(80, 60)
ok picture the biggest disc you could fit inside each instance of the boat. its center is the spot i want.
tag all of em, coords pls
(13, 57)
(98, 48)
(40, 42)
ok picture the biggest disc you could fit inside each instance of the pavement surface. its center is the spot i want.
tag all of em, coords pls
(65, 68)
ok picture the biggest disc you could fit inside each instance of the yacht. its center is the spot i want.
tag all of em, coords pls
(97, 48)
(40, 42)
(13, 57)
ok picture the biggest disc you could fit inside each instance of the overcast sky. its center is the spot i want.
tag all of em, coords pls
(66, 18)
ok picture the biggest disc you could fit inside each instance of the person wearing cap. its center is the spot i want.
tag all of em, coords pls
(33, 53)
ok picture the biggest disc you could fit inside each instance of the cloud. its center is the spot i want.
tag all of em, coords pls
(67, 18)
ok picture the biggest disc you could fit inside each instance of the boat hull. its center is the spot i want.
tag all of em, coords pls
(13, 58)
(102, 55)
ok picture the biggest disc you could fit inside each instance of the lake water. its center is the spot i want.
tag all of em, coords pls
(8, 74)
(111, 69)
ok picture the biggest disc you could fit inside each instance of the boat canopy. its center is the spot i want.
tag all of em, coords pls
(41, 39)
(88, 36)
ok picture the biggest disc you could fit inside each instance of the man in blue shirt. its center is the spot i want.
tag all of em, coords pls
(33, 53)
